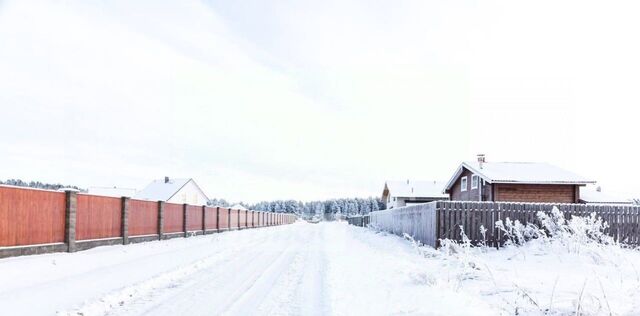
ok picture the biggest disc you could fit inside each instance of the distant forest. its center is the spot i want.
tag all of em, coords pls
(327, 208)
(39, 185)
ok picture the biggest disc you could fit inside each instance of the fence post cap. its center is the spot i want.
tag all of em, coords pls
(68, 190)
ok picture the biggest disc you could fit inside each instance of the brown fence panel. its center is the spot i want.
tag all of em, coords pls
(223, 214)
(211, 217)
(233, 219)
(29, 217)
(98, 217)
(173, 218)
(623, 224)
(194, 217)
(143, 218)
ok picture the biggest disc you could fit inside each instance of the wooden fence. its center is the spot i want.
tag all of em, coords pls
(38, 221)
(430, 222)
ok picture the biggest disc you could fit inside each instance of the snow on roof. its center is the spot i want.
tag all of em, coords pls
(590, 194)
(239, 207)
(409, 188)
(159, 190)
(520, 172)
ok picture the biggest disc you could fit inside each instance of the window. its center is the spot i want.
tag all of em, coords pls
(474, 181)
(463, 184)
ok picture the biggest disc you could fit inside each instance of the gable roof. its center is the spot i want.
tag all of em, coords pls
(590, 194)
(159, 190)
(430, 189)
(519, 172)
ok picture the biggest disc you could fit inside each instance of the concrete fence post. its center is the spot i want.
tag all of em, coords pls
(71, 205)
(204, 219)
(185, 218)
(160, 220)
(124, 227)
(217, 219)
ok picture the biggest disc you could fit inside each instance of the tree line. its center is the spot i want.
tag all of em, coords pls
(39, 185)
(327, 208)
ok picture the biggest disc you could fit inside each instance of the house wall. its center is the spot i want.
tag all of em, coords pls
(514, 192)
(469, 195)
(535, 193)
(404, 201)
(189, 194)
(390, 203)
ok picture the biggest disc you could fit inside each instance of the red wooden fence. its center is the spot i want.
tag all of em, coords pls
(173, 218)
(223, 214)
(194, 218)
(98, 217)
(210, 218)
(143, 218)
(243, 218)
(234, 219)
(29, 216)
(254, 219)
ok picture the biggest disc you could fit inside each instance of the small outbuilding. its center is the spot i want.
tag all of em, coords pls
(514, 182)
(403, 193)
(592, 194)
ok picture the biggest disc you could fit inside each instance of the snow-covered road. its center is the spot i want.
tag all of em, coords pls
(299, 269)
(322, 269)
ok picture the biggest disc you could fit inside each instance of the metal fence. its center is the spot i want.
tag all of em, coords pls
(430, 222)
(38, 221)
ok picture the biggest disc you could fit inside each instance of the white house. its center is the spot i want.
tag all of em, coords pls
(403, 193)
(173, 191)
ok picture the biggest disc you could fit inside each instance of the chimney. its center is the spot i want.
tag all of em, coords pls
(166, 179)
(480, 160)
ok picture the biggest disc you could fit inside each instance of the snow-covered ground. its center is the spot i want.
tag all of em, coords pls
(321, 269)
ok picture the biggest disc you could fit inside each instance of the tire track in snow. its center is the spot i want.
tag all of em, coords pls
(119, 301)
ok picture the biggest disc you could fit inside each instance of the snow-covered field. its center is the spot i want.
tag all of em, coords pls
(322, 269)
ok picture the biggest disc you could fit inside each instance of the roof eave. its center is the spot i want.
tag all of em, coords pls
(544, 182)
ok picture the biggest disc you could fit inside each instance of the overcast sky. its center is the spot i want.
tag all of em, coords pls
(260, 100)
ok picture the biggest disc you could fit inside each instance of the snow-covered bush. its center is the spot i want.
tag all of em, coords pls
(558, 267)
(517, 233)
(576, 233)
